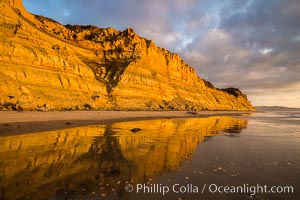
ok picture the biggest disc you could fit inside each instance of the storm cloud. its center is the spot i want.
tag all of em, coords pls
(250, 44)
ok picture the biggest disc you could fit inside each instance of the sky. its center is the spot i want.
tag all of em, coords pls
(250, 44)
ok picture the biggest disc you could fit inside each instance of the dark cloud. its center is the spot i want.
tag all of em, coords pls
(266, 23)
(250, 44)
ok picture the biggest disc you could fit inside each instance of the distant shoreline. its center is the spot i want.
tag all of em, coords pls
(275, 108)
(13, 123)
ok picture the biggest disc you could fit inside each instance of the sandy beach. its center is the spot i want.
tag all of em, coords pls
(12, 123)
(96, 154)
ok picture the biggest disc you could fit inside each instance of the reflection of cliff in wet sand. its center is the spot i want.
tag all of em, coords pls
(41, 165)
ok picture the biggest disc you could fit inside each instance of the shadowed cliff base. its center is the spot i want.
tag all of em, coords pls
(48, 66)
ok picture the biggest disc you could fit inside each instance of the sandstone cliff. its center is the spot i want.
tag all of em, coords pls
(45, 65)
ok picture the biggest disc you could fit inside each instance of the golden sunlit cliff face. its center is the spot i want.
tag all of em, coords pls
(45, 65)
(50, 162)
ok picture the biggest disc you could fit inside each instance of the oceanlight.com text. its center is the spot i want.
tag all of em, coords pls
(210, 188)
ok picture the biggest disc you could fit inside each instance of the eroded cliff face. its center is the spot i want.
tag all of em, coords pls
(45, 65)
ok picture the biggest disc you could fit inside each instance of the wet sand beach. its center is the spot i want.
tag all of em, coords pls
(194, 156)
(28, 122)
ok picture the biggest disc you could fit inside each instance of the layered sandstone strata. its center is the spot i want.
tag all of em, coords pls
(45, 65)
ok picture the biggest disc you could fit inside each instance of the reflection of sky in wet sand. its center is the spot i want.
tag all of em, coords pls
(100, 159)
